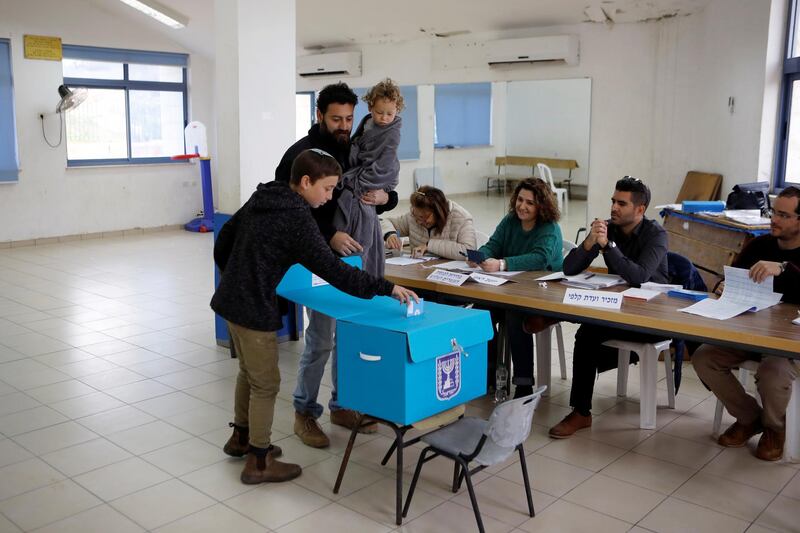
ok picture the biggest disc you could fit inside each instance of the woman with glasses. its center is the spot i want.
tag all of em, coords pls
(433, 225)
(528, 238)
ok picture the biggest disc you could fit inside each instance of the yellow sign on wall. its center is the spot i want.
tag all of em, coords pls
(42, 47)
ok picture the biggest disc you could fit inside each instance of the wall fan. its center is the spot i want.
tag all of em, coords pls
(70, 99)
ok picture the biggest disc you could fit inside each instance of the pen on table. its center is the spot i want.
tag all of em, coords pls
(462, 253)
(590, 275)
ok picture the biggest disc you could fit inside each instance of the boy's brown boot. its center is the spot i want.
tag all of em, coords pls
(261, 467)
(238, 444)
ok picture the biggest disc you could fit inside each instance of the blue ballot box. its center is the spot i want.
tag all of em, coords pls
(398, 368)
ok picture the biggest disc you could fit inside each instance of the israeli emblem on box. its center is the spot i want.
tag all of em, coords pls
(448, 375)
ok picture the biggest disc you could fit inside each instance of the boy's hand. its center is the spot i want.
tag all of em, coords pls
(376, 197)
(343, 244)
(404, 295)
(393, 242)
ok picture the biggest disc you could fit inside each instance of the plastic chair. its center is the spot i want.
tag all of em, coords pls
(428, 176)
(481, 238)
(561, 194)
(485, 442)
(543, 338)
(648, 372)
(791, 447)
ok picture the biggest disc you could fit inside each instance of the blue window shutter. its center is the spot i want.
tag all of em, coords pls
(409, 134)
(9, 158)
(115, 55)
(463, 114)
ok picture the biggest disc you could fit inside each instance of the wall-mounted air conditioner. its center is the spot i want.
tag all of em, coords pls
(554, 49)
(333, 64)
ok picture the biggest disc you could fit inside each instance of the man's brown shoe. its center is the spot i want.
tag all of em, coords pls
(267, 469)
(238, 444)
(349, 419)
(571, 423)
(308, 429)
(770, 445)
(738, 434)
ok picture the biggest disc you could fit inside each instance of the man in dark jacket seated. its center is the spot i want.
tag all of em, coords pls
(633, 247)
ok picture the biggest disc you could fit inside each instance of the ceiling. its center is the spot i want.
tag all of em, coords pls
(319, 25)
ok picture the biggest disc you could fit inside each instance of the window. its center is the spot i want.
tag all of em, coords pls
(463, 115)
(136, 110)
(409, 133)
(304, 114)
(9, 161)
(787, 170)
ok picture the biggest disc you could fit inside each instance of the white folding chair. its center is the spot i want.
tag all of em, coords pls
(791, 447)
(561, 194)
(428, 176)
(481, 238)
(648, 375)
(485, 442)
(543, 338)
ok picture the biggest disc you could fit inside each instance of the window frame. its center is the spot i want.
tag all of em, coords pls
(127, 85)
(8, 130)
(791, 73)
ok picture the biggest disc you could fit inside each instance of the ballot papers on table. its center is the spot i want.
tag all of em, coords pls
(740, 294)
(585, 280)
(462, 266)
(395, 367)
(406, 259)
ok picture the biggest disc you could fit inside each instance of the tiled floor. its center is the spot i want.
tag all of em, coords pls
(114, 403)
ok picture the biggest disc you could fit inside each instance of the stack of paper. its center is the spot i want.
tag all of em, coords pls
(660, 287)
(640, 294)
(406, 259)
(740, 294)
(590, 280)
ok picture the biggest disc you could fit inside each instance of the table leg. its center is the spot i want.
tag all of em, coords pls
(346, 457)
(398, 443)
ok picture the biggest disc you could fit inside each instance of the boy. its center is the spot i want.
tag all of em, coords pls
(272, 231)
(374, 169)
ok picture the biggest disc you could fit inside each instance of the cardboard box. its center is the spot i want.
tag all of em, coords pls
(394, 367)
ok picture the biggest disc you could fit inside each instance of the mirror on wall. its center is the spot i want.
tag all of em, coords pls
(518, 124)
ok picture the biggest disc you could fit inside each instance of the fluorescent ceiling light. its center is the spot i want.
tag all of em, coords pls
(160, 12)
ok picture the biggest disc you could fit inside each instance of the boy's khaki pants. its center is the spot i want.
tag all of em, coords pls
(258, 381)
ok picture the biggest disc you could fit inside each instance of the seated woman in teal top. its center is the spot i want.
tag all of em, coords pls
(528, 238)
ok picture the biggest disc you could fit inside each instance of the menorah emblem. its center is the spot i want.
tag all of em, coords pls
(448, 375)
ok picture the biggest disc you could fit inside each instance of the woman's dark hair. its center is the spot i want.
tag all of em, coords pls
(335, 93)
(433, 199)
(640, 194)
(543, 196)
(315, 164)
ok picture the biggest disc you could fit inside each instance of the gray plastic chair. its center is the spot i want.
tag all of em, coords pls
(485, 442)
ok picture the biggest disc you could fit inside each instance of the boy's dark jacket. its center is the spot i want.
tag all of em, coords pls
(256, 247)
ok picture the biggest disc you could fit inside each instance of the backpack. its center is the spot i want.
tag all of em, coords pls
(749, 196)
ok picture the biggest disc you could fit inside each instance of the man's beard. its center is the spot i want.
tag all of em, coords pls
(340, 136)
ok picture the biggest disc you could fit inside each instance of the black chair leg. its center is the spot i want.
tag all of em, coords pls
(456, 477)
(413, 486)
(524, 465)
(473, 499)
(389, 453)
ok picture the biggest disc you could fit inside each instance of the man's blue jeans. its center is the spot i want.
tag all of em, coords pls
(320, 344)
